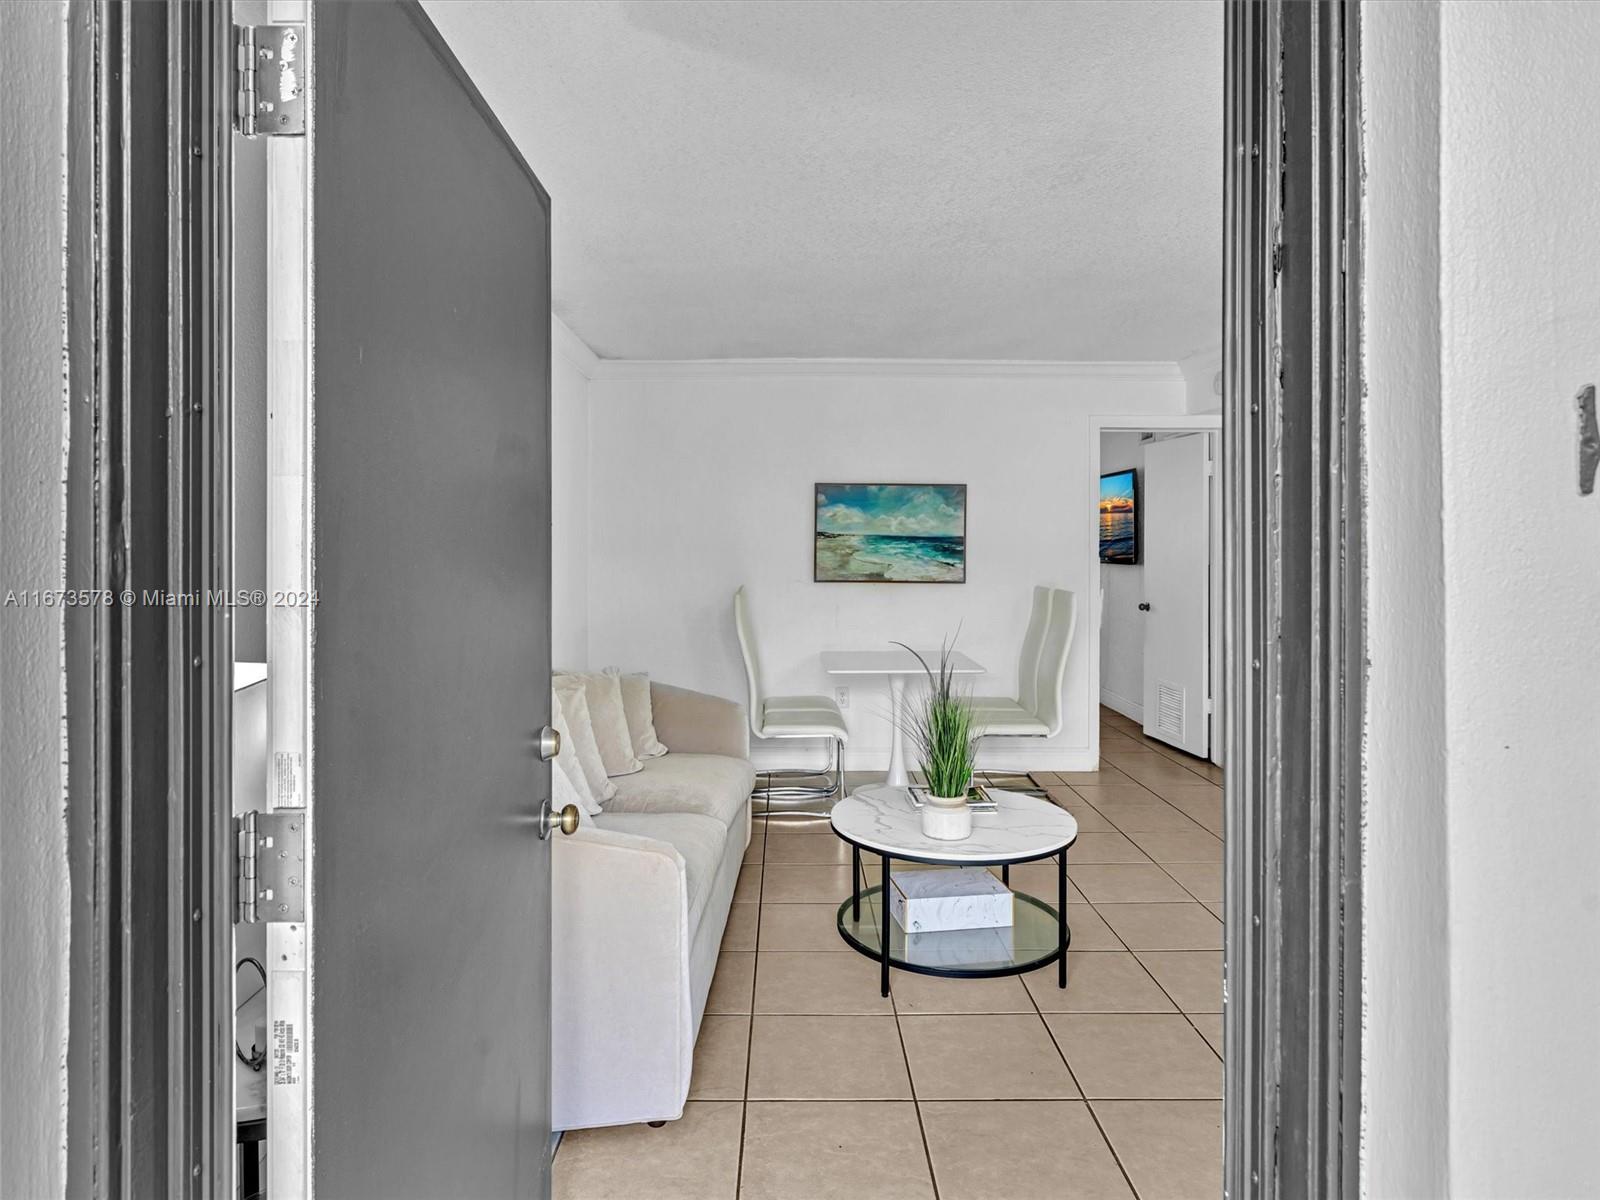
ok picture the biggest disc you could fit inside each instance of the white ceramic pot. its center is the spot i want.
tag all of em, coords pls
(946, 820)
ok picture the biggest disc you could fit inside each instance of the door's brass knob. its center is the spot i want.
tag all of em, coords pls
(567, 820)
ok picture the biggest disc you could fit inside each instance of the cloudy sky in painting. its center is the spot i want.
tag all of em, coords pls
(909, 510)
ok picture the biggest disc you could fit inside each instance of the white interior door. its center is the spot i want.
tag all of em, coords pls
(1177, 551)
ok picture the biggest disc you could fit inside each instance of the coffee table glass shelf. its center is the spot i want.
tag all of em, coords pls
(883, 822)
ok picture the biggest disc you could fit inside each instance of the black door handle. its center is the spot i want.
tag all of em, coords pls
(1144, 608)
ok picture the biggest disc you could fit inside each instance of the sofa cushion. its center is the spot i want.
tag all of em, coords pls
(699, 839)
(566, 775)
(575, 710)
(608, 718)
(636, 707)
(709, 784)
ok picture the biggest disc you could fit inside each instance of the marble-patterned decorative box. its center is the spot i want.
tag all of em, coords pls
(965, 898)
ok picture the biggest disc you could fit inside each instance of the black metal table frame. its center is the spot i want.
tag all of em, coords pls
(1063, 931)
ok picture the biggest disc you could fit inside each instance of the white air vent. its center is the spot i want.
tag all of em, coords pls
(1171, 705)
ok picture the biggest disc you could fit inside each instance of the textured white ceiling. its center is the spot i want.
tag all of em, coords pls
(882, 180)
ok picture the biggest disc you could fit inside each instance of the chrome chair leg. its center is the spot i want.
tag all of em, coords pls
(801, 799)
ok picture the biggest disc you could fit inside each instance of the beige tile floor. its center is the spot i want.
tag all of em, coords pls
(809, 1085)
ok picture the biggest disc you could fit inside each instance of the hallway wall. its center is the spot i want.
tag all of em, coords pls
(1121, 622)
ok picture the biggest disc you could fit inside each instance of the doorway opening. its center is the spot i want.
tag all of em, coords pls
(1158, 565)
(771, 1113)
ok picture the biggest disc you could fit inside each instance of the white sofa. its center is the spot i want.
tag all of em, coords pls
(640, 898)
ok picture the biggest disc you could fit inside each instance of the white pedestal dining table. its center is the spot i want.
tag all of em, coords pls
(897, 666)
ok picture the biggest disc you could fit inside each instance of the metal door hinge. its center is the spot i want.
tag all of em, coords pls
(1588, 440)
(270, 83)
(270, 869)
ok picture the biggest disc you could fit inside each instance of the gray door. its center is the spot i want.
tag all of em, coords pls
(431, 916)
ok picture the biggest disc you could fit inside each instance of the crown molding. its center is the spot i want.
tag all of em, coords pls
(1202, 365)
(572, 347)
(930, 368)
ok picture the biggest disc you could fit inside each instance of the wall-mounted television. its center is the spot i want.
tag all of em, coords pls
(1119, 517)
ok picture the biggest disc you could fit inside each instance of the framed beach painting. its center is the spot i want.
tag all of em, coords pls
(891, 533)
(1119, 517)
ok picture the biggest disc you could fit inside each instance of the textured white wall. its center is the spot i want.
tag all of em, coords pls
(1482, 903)
(1520, 313)
(34, 914)
(571, 364)
(1121, 622)
(704, 482)
(1405, 937)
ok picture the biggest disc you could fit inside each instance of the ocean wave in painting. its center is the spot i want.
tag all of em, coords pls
(884, 558)
(891, 533)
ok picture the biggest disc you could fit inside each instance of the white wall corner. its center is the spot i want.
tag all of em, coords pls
(1131, 709)
(1202, 388)
(572, 347)
(1405, 905)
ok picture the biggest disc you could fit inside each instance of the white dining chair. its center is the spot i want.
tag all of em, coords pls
(814, 717)
(1037, 710)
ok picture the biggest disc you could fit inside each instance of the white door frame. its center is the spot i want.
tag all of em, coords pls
(1141, 423)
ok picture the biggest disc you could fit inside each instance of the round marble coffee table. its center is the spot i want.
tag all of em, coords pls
(883, 821)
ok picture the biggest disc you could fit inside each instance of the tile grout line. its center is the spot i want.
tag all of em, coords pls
(898, 1015)
(911, 1082)
(1187, 1016)
(1062, 1055)
(1165, 752)
(1134, 954)
(1162, 866)
(750, 1031)
(1173, 1000)
(1082, 1095)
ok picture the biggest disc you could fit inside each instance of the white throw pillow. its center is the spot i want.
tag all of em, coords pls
(608, 719)
(566, 774)
(575, 707)
(636, 707)
(564, 792)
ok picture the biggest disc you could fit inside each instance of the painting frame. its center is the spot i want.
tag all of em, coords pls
(1129, 558)
(940, 572)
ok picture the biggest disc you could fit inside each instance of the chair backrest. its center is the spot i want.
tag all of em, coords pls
(752, 658)
(1053, 658)
(1032, 644)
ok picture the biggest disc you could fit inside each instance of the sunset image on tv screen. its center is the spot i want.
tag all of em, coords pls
(1119, 518)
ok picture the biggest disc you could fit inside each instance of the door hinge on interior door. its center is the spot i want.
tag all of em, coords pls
(270, 80)
(270, 866)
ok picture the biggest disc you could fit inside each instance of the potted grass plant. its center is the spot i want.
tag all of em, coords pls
(939, 725)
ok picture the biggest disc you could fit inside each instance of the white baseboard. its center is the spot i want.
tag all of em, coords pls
(1128, 708)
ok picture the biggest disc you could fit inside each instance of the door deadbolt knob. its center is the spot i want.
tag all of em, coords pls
(1144, 608)
(549, 744)
(567, 820)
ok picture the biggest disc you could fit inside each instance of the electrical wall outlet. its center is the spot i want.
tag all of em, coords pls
(842, 697)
